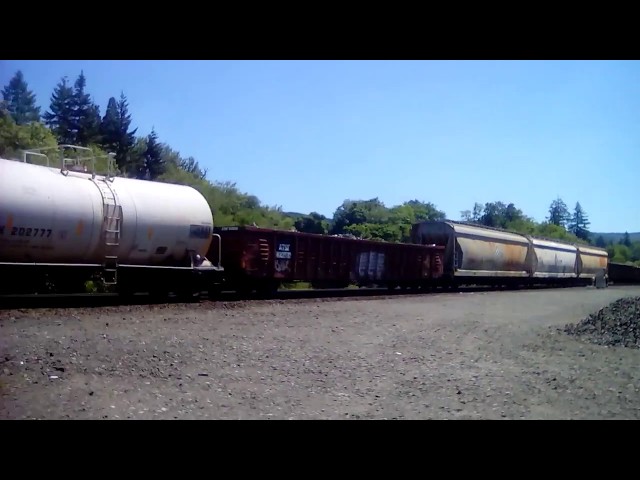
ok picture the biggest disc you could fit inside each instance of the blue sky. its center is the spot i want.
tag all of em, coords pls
(309, 134)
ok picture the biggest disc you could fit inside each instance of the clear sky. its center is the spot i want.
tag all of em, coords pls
(307, 135)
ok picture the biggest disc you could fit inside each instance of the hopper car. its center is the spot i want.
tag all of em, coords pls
(478, 255)
(63, 223)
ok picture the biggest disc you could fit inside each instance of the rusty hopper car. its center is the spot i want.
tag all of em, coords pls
(476, 255)
(489, 256)
(262, 259)
(592, 260)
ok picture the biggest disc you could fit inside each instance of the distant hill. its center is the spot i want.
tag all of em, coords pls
(615, 237)
(295, 214)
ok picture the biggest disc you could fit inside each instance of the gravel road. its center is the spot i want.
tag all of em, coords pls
(497, 355)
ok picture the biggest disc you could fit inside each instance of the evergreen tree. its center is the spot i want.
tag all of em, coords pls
(60, 118)
(559, 213)
(579, 223)
(154, 165)
(20, 101)
(626, 239)
(600, 242)
(115, 134)
(127, 139)
(110, 127)
(191, 166)
(86, 118)
(512, 214)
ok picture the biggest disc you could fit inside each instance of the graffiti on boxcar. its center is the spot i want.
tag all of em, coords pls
(283, 259)
(371, 265)
(284, 250)
(282, 266)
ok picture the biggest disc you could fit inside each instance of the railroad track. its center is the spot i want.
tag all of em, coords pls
(86, 300)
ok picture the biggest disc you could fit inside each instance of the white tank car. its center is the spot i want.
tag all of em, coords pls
(49, 216)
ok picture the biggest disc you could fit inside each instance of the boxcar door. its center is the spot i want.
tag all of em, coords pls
(284, 257)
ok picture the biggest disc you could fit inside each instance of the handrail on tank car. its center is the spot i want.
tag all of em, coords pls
(35, 153)
(63, 160)
(111, 156)
(110, 174)
(219, 249)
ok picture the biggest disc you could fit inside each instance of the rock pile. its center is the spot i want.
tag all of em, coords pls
(617, 324)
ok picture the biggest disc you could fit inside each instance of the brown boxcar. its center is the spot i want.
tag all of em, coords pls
(619, 273)
(261, 259)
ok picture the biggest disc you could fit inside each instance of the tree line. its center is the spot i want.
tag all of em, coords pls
(371, 219)
(560, 223)
(73, 117)
(623, 251)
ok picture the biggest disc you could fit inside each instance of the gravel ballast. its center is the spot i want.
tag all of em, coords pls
(617, 324)
(496, 355)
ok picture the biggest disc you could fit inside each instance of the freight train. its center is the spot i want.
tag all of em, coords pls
(62, 224)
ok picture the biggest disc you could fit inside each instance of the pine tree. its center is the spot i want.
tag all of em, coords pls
(154, 165)
(191, 166)
(136, 157)
(625, 240)
(110, 127)
(115, 134)
(559, 213)
(20, 101)
(86, 119)
(127, 138)
(60, 118)
(579, 223)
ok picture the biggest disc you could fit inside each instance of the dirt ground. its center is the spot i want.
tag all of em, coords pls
(495, 355)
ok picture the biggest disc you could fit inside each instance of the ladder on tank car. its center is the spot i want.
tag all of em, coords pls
(111, 231)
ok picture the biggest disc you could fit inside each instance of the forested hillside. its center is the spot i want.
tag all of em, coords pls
(616, 237)
(73, 117)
